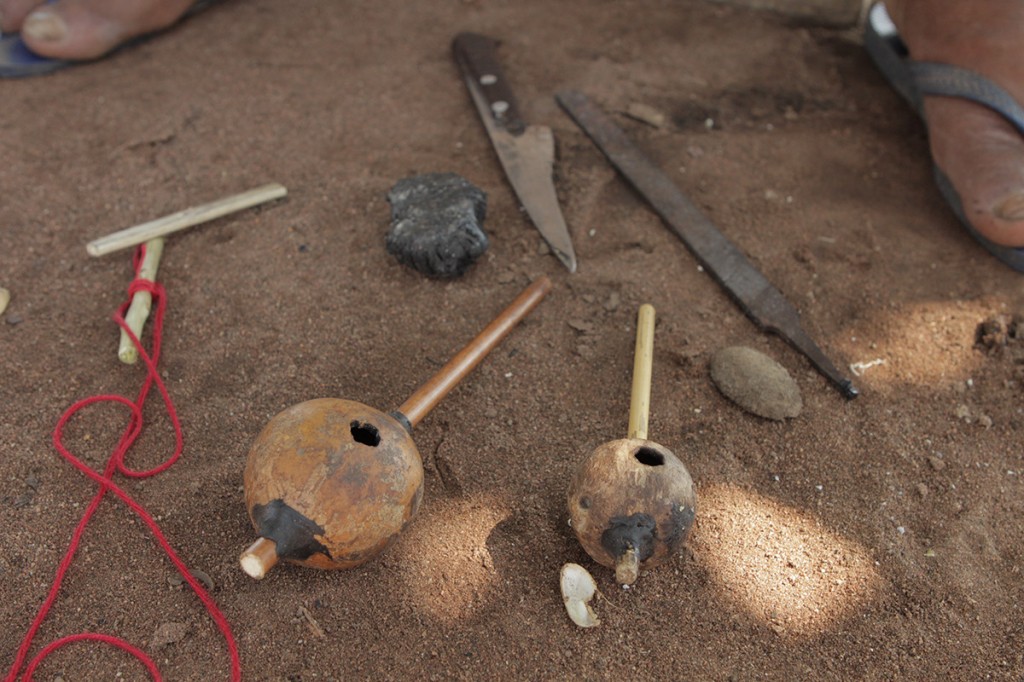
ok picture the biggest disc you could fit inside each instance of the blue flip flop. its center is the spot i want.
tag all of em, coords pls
(913, 80)
(17, 61)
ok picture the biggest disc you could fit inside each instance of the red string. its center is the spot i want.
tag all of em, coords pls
(87, 636)
(105, 481)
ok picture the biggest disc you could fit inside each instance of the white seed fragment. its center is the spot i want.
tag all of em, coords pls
(5, 298)
(578, 588)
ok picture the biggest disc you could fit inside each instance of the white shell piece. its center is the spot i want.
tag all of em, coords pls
(578, 588)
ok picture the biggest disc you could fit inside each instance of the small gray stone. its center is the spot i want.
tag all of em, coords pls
(204, 578)
(645, 113)
(612, 304)
(756, 383)
(436, 223)
(168, 633)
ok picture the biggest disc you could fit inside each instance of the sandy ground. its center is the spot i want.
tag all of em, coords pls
(874, 539)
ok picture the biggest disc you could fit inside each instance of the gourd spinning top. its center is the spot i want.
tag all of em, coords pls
(631, 502)
(330, 483)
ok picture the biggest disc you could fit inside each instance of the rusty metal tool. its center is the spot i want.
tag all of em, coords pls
(526, 152)
(761, 301)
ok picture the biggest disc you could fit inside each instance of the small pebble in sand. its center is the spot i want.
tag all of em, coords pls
(5, 298)
(168, 633)
(756, 383)
(646, 114)
(612, 304)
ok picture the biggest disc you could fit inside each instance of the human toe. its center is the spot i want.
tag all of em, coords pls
(87, 29)
(983, 157)
(1011, 208)
(69, 32)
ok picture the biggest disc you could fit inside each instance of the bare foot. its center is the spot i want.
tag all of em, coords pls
(85, 29)
(977, 149)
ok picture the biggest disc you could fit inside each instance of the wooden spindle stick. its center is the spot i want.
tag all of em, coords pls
(133, 236)
(643, 359)
(428, 395)
(142, 302)
(259, 558)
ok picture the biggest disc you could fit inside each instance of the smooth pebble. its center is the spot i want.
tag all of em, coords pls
(756, 382)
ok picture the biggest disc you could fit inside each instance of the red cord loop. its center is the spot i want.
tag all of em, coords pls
(106, 484)
(88, 636)
(139, 284)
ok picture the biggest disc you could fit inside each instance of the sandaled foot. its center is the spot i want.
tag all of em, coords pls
(86, 29)
(980, 153)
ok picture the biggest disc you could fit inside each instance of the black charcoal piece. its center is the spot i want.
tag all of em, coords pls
(436, 223)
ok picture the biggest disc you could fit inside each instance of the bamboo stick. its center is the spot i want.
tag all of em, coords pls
(142, 302)
(260, 557)
(428, 395)
(133, 236)
(643, 359)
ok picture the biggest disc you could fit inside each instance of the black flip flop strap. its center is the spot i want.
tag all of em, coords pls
(932, 78)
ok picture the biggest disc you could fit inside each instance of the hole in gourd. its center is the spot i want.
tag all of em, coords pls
(650, 457)
(367, 434)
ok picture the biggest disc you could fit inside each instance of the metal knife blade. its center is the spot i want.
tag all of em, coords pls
(762, 302)
(526, 152)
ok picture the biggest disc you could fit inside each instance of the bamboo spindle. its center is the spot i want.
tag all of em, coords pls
(643, 359)
(142, 302)
(133, 236)
(428, 395)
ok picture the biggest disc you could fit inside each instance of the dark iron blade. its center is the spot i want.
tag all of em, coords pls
(762, 302)
(526, 152)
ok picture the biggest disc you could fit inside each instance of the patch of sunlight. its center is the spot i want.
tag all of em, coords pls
(780, 564)
(927, 343)
(442, 557)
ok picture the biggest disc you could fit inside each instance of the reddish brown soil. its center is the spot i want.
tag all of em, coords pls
(874, 539)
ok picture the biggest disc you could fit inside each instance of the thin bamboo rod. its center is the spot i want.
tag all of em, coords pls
(133, 236)
(142, 302)
(643, 359)
(428, 395)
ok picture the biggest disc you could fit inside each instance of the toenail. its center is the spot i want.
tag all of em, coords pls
(1011, 208)
(45, 25)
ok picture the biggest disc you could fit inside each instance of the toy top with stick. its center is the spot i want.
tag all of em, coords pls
(632, 502)
(330, 483)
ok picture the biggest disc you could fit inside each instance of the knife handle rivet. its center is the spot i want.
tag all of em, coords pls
(488, 79)
(499, 107)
